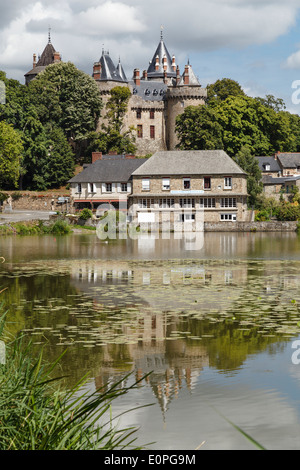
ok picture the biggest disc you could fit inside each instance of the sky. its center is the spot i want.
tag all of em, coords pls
(255, 42)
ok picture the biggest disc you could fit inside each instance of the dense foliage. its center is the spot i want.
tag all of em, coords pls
(53, 117)
(112, 137)
(232, 120)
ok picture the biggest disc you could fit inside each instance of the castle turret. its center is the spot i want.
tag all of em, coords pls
(186, 92)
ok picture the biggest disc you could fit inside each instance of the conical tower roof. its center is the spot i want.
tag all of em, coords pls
(108, 70)
(156, 66)
(192, 79)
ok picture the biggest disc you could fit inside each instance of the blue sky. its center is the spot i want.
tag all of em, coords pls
(256, 42)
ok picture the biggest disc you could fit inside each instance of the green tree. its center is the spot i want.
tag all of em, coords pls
(11, 150)
(250, 165)
(68, 98)
(111, 137)
(56, 166)
(222, 89)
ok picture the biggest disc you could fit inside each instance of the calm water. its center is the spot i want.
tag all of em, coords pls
(213, 319)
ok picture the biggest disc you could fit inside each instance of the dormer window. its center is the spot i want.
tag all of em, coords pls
(266, 167)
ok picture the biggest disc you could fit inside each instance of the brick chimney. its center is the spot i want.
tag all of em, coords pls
(145, 75)
(173, 64)
(56, 56)
(34, 60)
(129, 156)
(186, 78)
(136, 77)
(164, 62)
(177, 75)
(96, 156)
(165, 79)
(97, 71)
(157, 63)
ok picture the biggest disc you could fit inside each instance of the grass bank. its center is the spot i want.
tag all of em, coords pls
(59, 227)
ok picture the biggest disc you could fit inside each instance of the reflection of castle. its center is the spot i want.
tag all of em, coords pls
(149, 325)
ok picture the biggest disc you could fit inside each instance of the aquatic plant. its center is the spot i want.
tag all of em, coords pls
(35, 414)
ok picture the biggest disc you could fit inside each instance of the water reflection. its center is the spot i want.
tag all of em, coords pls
(157, 306)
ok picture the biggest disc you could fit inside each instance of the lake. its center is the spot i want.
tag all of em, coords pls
(214, 320)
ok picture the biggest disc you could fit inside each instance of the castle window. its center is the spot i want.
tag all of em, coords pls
(152, 113)
(140, 130)
(152, 132)
(138, 113)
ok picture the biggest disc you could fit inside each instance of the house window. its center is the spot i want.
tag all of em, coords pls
(228, 202)
(138, 113)
(166, 203)
(266, 167)
(146, 185)
(186, 183)
(108, 187)
(187, 203)
(146, 203)
(230, 217)
(207, 202)
(152, 132)
(166, 184)
(91, 188)
(79, 188)
(152, 113)
(140, 130)
(124, 187)
(207, 182)
(227, 182)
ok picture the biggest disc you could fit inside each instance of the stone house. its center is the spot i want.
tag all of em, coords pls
(195, 185)
(105, 183)
(280, 173)
(158, 95)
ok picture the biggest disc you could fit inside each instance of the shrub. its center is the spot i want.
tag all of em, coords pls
(85, 214)
(262, 216)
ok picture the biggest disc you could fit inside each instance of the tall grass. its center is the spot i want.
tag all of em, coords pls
(35, 414)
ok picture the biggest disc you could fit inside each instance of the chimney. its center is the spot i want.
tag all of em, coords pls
(165, 79)
(129, 156)
(164, 62)
(97, 71)
(56, 57)
(145, 75)
(34, 60)
(276, 155)
(186, 78)
(177, 75)
(157, 63)
(96, 156)
(112, 152)
(173, 64)
(136, 77)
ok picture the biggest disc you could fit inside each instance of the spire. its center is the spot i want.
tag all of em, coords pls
(49, 35)
(161, 61)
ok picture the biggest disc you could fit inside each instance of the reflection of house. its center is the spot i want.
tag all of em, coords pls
(107, 180)
(185, 185)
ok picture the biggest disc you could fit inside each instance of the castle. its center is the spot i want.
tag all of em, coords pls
(158, 95)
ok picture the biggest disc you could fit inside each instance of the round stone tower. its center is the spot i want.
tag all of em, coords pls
(186, 91)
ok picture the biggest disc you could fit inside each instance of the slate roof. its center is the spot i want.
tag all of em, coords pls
(149, 91)
(274, 165)
(189, 162)
(193, 80)
(289, 160)
(161, 51)
(45, 59)
(109, 170)
(268, 179)
(108, 70)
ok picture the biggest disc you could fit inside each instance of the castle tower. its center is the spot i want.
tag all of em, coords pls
(48, 57)
(186, 92)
